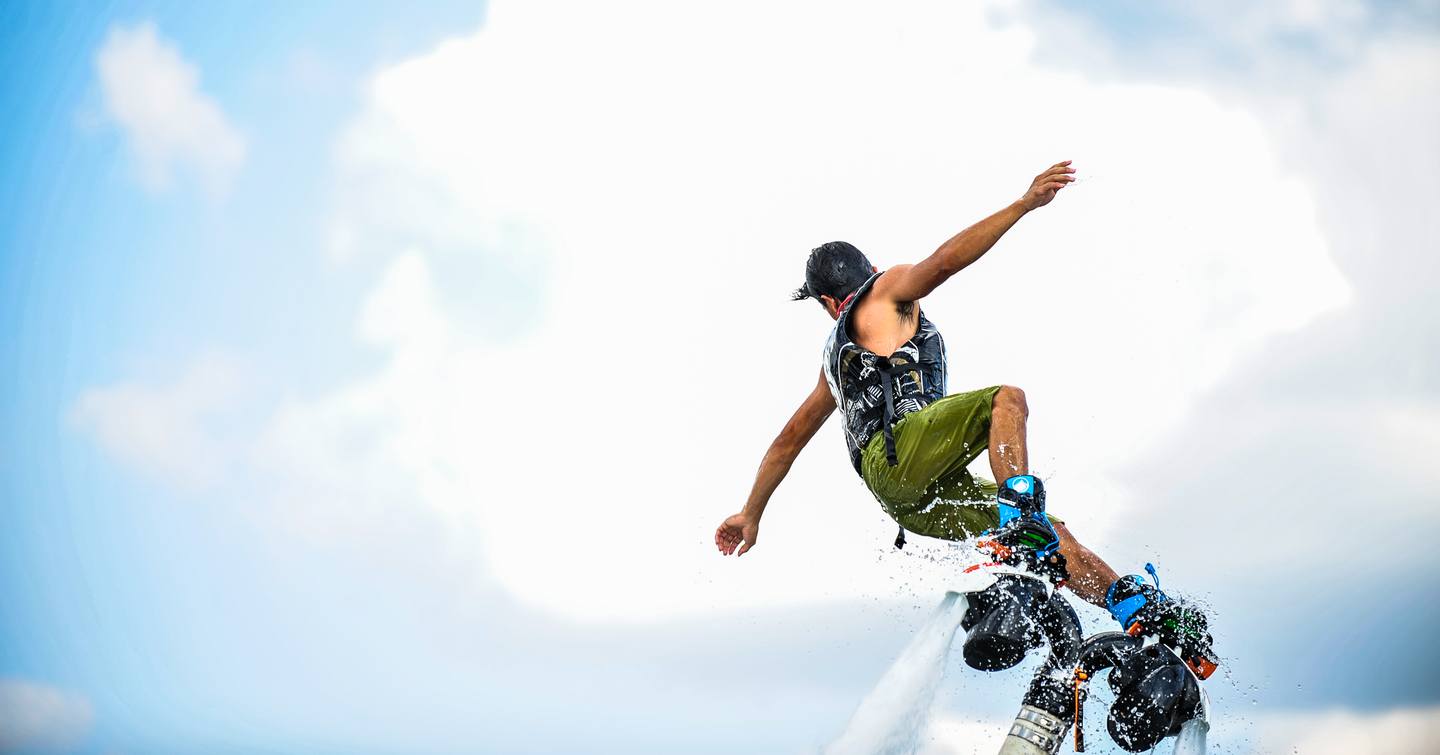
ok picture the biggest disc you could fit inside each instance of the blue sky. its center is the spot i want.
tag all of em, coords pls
(86, 257)
(266, 482)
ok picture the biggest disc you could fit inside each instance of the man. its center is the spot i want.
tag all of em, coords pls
(884, 367)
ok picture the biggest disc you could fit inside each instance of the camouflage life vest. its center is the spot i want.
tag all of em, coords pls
(873, 392)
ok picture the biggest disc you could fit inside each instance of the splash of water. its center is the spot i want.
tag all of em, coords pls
(892, 717)
(1191, 740)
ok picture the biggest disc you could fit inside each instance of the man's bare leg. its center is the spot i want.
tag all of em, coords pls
(1008, 413)
(1090, 576)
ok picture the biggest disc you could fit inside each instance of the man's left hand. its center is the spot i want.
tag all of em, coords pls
(737, 531)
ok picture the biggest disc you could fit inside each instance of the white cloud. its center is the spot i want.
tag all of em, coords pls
(39, 718)
(178, 433)
(396, 440)
(1340, 410)
(153, 93)
(1336, 25)
(1405, 731)
(676, 186)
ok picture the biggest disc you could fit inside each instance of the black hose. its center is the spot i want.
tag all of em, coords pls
(1050, 689)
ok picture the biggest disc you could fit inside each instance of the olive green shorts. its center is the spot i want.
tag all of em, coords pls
(930, 492)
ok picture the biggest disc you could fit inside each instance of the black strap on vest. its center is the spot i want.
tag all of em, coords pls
(887, 371)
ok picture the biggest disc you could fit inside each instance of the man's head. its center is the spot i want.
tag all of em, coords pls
(832, 273)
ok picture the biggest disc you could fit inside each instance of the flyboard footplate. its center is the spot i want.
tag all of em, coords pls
(980, 577)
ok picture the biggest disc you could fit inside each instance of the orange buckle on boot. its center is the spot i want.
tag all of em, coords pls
(1202, 666)
(994, 549)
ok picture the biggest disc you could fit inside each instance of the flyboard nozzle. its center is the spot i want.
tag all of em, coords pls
(1035, 732)
(1155, 695)
(999, 628)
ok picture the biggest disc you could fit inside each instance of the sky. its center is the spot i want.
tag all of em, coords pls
(375, 377)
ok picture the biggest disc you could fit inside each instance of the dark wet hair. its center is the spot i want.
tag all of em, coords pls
(835, 269)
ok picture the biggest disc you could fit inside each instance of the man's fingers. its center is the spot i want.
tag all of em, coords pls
(729, 537)
(724, 540)
(1051, 178)
(1056, 169)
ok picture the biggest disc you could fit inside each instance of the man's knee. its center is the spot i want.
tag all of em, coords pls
(1010, 400)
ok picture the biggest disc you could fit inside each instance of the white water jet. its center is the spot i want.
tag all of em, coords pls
(892, 717)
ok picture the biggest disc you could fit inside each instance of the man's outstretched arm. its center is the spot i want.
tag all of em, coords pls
(912, 282)
(740, 530)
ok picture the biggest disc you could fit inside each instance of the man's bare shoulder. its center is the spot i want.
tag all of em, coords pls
(881, 322)
(884, 290)
(885, 284)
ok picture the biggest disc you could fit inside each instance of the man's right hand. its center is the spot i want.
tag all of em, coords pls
(1045, 185)
(739, 530)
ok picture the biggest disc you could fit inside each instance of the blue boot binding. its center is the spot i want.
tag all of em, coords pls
(1025, 537)
(1142, 608)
